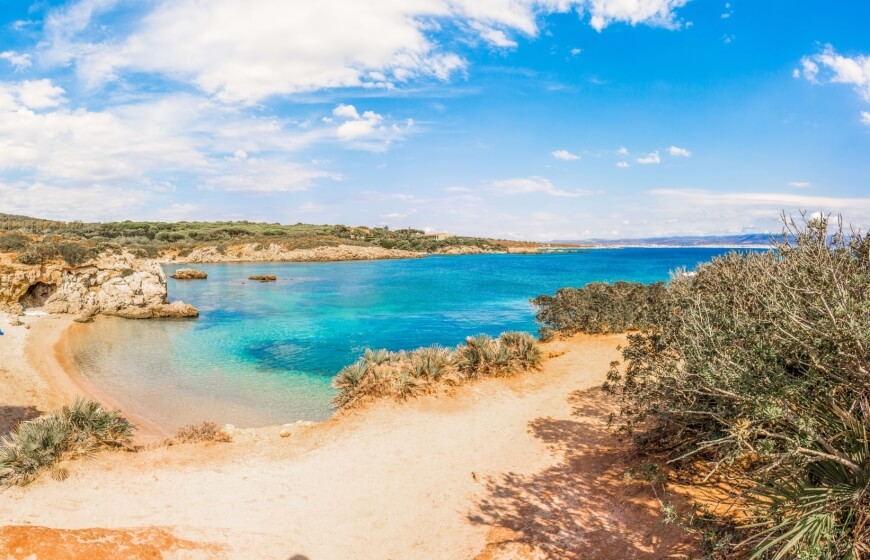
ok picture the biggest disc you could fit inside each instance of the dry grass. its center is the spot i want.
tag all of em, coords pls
(198, 433)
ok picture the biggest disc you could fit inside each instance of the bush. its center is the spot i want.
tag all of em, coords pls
(77, 431)
(10, 242)
(197, 433)
(760, 363)
(600, 308)
(399, 375)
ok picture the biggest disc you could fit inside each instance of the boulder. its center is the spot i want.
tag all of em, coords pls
(189, 274)
(263, 277)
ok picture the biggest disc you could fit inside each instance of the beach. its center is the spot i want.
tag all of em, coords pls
(465, 475)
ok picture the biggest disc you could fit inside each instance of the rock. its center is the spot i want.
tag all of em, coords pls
(256, 252)
(229, 429)
(263, 277)
(189, 274)
(121, 284)
(286, 431)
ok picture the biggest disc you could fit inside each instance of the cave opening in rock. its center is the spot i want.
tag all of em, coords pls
(37, 295)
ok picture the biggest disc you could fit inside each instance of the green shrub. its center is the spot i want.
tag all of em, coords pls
(199, 433)
(74, 431)
(600, 308)
(760, 363)
(13, 242)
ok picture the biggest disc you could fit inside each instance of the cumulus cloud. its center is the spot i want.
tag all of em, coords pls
(244, 51)
(679, 152)
(865, 117)
(652, 158)
(623, 151)
(564, 155)
(831, 67)
(622, 164)
(530, 185)
(92, 203)
(368, 130)
(30, 94)
(653, 12)
(18, 60)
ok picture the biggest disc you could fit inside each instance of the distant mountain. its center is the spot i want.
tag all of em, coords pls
(741, 240)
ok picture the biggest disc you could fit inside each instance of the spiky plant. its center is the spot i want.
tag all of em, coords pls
(477, 357)
(92, 427)
(821, 511)
(406, 385)
(430, 362)
(375, 357)
(523, 348)
(347, 382)
(32, 447)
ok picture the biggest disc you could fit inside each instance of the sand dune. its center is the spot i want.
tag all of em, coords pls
(514, 468)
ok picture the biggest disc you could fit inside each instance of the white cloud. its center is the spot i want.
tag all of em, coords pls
(623, 151)
(652, 12)
(18, 60)
(769, 203)
(828, 66)
(29, 95)
(576, 52)
(532, 185)
(865, 117)
(247, 50)
(622, 164)
(650, 159)
(800, 184)
(368, 131)
(262, 175)
(564, 155)
(679, 152)
(495, 37)
(92, 203)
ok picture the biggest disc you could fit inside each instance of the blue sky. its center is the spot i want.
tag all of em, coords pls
(533, 119)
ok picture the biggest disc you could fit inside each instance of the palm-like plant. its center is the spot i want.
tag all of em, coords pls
(823, 509)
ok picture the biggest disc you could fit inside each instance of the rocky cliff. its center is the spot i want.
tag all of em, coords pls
(255, 252)
(120, 284)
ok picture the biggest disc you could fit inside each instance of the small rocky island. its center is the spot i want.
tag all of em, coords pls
(263, 277)
(189, 274)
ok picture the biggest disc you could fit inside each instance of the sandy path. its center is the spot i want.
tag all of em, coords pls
(433, 478)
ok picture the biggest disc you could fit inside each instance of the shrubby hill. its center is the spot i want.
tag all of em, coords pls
(36, 240)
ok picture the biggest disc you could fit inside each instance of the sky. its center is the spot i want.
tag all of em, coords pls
(514, 119)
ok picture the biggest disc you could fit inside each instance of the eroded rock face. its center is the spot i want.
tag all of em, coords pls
(253, 252)
(121, 285)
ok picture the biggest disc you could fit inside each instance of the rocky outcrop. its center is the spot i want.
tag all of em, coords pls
(121, 285)
(462, 250)
(255, 252)
(263, 277)
(189, 274)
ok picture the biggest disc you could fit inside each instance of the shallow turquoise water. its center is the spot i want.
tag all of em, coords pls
(265, 353)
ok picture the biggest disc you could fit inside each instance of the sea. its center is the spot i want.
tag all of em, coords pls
(265, 353)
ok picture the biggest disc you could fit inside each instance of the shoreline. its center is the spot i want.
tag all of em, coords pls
(45, 349)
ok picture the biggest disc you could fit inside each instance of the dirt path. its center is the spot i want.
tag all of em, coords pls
(518, 468)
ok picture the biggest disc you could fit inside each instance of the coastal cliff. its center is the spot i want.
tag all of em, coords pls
(121, 284)
(255, 252)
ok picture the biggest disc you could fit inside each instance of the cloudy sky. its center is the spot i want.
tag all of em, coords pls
(537, 119)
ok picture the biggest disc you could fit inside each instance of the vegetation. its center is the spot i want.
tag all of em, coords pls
(600, 308)
(399, 375)
(37, 241)
(74, 431)
(197, 433)
(758, 365)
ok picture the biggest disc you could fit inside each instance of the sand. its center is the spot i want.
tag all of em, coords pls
(506, 468)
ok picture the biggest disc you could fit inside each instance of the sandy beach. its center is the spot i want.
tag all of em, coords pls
(505, 468)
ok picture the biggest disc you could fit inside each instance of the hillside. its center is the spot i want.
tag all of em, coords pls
(36, 240)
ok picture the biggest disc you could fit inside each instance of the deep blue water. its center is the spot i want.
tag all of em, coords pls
(265, 353)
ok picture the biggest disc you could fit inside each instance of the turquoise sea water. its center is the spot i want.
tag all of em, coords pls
(265, 353)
